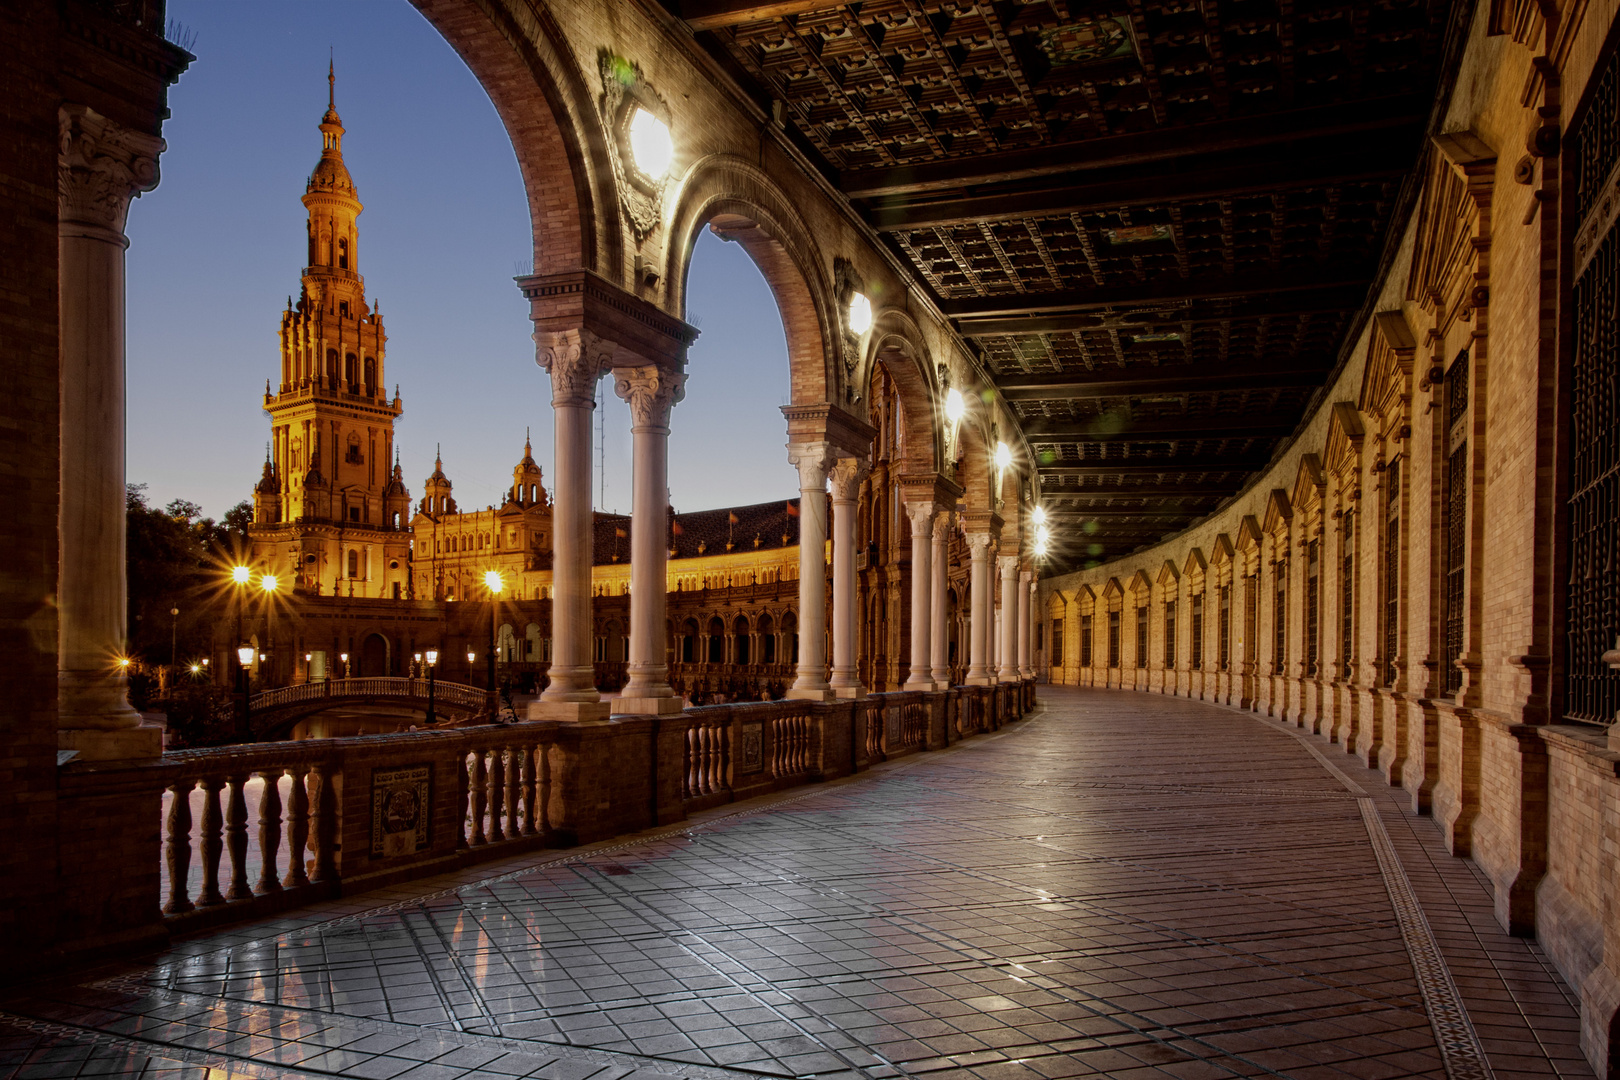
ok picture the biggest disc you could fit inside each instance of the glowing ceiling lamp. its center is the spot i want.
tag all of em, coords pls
(651, 145)
(860, 314)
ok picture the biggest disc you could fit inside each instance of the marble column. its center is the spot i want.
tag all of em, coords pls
(102, 166)
(846, 478)
(922, 589)
(1026, 609)
(979, 673)
(575, 360)
(939, 605)
(1008, 653)
(813, 460)
(651, 392)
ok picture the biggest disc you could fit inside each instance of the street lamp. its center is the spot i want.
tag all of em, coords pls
(432, 659)
(174, 633)
(493, 582)
(344, 657)
(239, 577)
(244, 657)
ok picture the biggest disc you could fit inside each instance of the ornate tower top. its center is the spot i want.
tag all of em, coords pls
(527, 489)
(436, 497)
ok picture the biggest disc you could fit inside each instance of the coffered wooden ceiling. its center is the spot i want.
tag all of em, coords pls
(1155, 222)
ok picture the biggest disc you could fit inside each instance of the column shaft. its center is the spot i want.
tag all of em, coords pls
(1008, 653)
(922, 586)
(1026, 609)
(651, 392)
(939, 638)
(812, 460)
(979, 673)
(846, 484)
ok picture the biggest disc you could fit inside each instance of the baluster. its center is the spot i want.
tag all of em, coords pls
(497, 793)
(708, 759)
(480, 785)
(724, 775)
(323, 819)
(269, 831)
(177, 847)
(514, 782)
(689, 773)
(297, 827)
(212, 843)
(529, 755)
(543, 768)
(236, 836)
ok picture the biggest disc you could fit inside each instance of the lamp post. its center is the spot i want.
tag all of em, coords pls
(239, 578)
(174, 633)
(244, 657)
(269, 584)
(493, 582)
(344, 657)
(432, 659)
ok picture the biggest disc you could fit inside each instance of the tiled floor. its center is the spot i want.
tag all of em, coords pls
(1122, 885)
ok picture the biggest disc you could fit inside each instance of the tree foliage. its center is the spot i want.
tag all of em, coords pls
(174, 559)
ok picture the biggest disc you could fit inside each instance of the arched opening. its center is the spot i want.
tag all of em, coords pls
(613, 642)
(374, 655)
(790, 637)
(689, 636)
(739, 641)
(717, 641)
(767, 640)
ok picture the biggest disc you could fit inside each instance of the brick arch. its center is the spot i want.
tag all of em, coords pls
(521, 59)
(897, 342)
(741, 203)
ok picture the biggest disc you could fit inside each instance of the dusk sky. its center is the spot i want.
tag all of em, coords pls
(218, 247)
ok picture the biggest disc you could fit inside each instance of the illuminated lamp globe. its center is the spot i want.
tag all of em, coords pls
(493, 582)
(955, 407)
(1003, 455)
(244, 655)
(860, 314)
(651, 145)
(240, 574)
(1040, 515)
(432, 657)
(269, 583)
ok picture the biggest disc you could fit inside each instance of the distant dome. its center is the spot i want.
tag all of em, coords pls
(331, 175)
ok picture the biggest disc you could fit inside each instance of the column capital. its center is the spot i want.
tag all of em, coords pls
(1027, 577)
(812, 459)
(100, 166)
(846, 475)
(650, 391)
(979, 544)
(1008, 565)
(575, 360)
(922, 519)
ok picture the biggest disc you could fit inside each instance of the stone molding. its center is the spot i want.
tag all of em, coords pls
(101, 166)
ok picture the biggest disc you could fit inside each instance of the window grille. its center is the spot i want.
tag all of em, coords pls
(1392, 569)
(1456, 520)
(1113, 639)
(1279, 621)
(1226, 628)
(1170, 634)
(1141, 637)
(1313, 600)
(1592, 603)
(1085, 641)
(1251, 619)
(1056, 656)
(1347, 598)
(1198, 632)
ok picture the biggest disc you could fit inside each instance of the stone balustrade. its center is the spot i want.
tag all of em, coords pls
(253, 829)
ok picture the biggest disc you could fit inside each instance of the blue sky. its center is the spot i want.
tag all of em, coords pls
(217, 248)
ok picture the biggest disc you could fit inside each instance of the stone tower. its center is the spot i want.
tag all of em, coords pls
(329, 501)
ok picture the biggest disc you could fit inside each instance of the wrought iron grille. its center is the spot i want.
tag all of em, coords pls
(1141, 636)
(1226, 628)
(1251, 620)
(1279, 621)
(1113, 639)
(1592, 614)
(1085, 641)
(1456, 546)
(1170, 634)
(1392, 570)
(1056, 654)
(1198, 632)
(1347, 599)
(1313, 602)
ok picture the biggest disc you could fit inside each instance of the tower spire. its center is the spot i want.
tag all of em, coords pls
(331, 81)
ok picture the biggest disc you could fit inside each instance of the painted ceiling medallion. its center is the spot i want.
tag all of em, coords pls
(1089, 40)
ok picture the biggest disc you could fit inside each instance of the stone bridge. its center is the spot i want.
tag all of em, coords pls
(276, 711)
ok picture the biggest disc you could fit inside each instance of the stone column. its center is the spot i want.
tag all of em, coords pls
(846, 477)
(978, 673)
(939, 635)
(1008, 653)
(651, 392)
(813, 461)
(1026, 611)
(575, 360)
(922, 587)
(102, 166)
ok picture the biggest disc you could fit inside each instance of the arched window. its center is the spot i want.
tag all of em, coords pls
(343, 254)
(351, 373)
(767, 640)
(739, 640)
(717, 641)
(354, 563)
(371, 376)
(331, 367)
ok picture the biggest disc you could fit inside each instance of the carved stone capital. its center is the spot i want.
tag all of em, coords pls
(575, 360)
(100, 166)
(1028, 578)
(922, 520)
(847, 474)
(1008, 565)
(979, 545)
(812, 459)
(651, 392)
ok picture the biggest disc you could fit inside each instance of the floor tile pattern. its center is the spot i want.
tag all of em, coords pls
(1124, 885)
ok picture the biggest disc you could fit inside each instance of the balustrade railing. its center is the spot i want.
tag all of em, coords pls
(267, 825)
(449, 694)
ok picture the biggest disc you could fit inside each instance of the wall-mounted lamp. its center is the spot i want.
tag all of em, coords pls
(860, 314)
(651, 145)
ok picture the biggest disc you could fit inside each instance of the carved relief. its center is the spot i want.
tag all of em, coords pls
(623, 91)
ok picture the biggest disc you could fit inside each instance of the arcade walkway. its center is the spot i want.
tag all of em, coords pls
(1122, 885)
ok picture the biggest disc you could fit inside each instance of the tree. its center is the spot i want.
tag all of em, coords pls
(174, 559)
